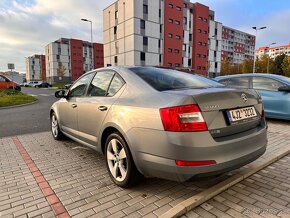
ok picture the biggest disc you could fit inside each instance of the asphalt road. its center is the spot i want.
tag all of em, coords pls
(28, 119)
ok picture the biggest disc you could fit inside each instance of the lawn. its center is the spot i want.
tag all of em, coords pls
(12, 97)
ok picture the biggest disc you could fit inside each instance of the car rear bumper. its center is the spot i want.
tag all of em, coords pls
(155, 156)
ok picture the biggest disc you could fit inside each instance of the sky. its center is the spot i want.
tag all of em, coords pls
(27, 26)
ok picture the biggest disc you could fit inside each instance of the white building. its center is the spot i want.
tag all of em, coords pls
(35, 68)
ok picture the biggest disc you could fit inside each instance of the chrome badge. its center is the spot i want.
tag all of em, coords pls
(244, 97)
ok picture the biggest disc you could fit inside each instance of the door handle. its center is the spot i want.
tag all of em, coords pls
(74, 105)
(102, 108)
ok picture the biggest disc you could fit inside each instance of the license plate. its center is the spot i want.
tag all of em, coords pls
(242, 114)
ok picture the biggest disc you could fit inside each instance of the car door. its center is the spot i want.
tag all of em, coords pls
(274, 101)
(93, 108)
(3, 83)
(68, 107)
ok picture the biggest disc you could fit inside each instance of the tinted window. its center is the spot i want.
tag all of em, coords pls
(165, 79)
(2, 79)
(241, 82)
(100, 83)
(78, 89)
(115, 85)
(266, 84)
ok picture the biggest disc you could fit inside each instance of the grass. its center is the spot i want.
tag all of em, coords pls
(12, 97)
(59, 85)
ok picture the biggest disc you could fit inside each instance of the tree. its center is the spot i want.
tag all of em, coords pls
(261, 64)
(278, 64)
(61, 71)
(246, 66)
(225, 67)
(286, 66)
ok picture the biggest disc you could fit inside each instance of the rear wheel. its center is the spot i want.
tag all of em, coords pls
(55, 130)
(119, 161)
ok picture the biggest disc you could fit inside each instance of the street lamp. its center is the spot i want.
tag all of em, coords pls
(256, 28)
(273, 43)
(91, 22)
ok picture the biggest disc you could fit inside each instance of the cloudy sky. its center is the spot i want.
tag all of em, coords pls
(27, 26)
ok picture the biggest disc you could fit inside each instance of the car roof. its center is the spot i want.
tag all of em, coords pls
(267, 75)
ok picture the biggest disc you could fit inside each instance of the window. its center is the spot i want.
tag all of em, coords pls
(205, 19)
(199, 67)
(204, 56)
(116, 14)
(215, 54)
(200, 18)
(145, 9)
(142, 56)
(178, 37)
(190, 37)
(145, 40)
(159, 12)
(116, 84)
(185, 5)
(189, 62)
(177, 22)
(205, 32)
(160, 58)
(170, 64)
(142, 24)
(176, 51)
(216, 64)
(160, 28)
(159, 43)
(177, 65)
(170, 21)
(116, 59)
(184, 47)
(57, 57)
(170, 35)
(266, 84)
(100, 83)
(170, 50)
(178, 8)
(170, 5)
(185, 20)
(204, 68)
(78, 89)
(115, 29)
(198, 55)
(200, 43)
(199, 30)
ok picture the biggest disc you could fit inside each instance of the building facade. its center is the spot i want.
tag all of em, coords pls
(68, 59)
(273, 52)
(35, 68)
(237, 45)
(167, 33)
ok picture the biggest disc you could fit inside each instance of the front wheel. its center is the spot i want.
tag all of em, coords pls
(119, 161)
(55, 130)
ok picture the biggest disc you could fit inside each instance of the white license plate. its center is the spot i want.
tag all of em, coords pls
(242, 114)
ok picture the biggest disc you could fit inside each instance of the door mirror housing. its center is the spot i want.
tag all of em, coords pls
(284, 89)
(61, 94)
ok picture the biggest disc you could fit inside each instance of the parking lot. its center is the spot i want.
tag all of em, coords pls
(41, 177)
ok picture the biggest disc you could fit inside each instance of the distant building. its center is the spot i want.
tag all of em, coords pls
(167, 33)
(237, 45)
(68, 59)
(273, 52)
(35, 68)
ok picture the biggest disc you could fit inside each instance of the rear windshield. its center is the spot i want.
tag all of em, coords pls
(166, 79)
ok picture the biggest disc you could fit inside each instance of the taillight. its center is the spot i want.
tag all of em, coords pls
(184, 163)
(185, 118)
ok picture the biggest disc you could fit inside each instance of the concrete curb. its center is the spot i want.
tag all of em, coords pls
(211, 192)
(19, 105)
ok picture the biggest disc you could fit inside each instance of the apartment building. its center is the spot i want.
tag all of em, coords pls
(35, 68)
(68, 59)
(237, 45)
(273, 52)
(167, 33)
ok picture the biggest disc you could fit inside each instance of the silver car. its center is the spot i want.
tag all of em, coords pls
(161, 123)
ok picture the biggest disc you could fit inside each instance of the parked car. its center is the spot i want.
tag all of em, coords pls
(6, 83)
(274, 90)
(43, 85)
(32, 83)
(160, 123)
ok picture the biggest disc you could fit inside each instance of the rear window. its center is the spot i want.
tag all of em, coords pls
(166, 79)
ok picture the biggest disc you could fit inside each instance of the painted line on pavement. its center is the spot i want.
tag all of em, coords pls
(52, 199)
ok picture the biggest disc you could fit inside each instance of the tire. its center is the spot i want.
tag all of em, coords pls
(119, 162)
(55, 130)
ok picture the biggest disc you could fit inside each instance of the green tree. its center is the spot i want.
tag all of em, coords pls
(286, 66)
(246, 66)
(278, 64)
(261, 64)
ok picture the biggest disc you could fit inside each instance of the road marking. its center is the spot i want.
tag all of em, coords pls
(44, 94)
(50, 196)
(32, 95)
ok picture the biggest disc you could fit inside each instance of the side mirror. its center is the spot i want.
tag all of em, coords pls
(60, 94)
(284, 89)
(67, 86)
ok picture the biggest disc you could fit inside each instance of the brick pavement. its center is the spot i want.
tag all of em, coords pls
(78, 177)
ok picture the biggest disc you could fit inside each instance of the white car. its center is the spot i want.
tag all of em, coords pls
(32, 83)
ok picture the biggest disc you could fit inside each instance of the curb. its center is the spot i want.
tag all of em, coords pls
(211, 192)
(19, 105)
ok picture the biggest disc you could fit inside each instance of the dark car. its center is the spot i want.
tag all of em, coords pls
(43, 85)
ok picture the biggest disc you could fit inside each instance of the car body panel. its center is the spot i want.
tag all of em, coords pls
(135, 112)
(276, 103)
(6, 83)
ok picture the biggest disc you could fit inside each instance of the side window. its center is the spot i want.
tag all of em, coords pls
(116, 84)
(2, 79)
(241, 82)
(78, 89)
(266, 84)
(224, 82)
(100, 83)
